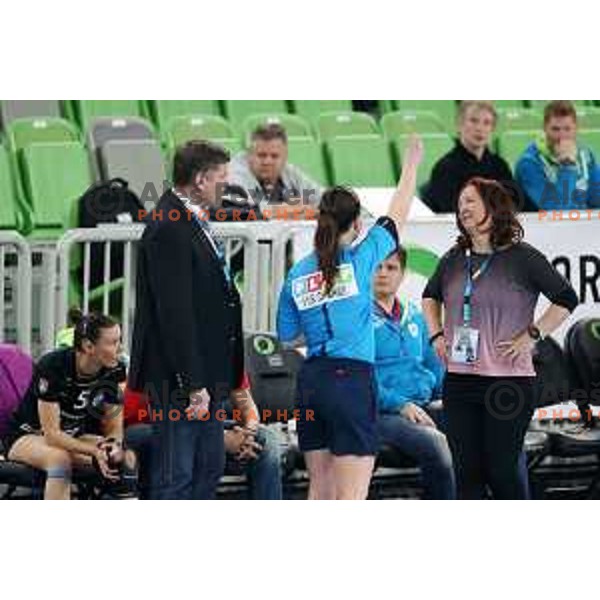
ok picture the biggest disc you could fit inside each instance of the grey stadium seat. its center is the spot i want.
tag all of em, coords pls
(108, 129)
(139, 162)
(19, 109)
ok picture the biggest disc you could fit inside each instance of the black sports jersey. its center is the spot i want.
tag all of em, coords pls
(81, 399)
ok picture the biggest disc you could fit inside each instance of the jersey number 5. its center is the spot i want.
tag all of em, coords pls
(82, 400)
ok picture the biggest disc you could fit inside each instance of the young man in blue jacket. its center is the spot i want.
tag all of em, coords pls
(558, 173)
(409, 377)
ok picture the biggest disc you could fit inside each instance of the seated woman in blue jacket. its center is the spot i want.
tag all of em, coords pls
(409, 377)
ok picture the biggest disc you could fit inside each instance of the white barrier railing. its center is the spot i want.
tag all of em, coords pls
(128, 236)
(43, 299)
(259, 243)
(15, 287)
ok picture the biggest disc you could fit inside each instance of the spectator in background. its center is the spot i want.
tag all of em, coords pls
(471, 157)
(264, 171)
(557, 172)
(409, 379)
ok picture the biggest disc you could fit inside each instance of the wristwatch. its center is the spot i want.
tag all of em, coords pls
(534, 333)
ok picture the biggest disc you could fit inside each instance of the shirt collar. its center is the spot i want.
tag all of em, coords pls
(194, 208)
(396, 312)
(465, 154)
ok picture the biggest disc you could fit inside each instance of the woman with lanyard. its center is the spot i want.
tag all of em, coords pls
(489, 284)
(327, 298)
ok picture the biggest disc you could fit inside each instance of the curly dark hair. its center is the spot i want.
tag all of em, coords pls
(505, 228)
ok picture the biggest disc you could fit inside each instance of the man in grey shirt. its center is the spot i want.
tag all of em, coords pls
(264, 172)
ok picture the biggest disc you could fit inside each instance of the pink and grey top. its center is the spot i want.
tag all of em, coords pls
(502, 305)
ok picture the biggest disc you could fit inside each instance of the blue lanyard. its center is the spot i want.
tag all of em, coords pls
(470, 280)
(218, 245)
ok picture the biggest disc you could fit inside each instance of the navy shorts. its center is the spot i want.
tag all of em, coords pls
(340, 392)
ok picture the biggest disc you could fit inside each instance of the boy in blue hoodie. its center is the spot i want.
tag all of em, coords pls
(409, 377)
(558, 173)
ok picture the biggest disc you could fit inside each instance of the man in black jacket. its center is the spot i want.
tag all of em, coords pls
(470, 157)
(187, 351)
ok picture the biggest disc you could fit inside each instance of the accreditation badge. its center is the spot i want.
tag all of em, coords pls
(465, 345)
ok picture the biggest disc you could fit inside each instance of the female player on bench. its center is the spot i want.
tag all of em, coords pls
(74, 395)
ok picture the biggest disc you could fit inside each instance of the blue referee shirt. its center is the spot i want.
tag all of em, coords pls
(339, 325)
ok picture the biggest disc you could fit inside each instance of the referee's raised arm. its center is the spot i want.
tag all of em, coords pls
(403, 196)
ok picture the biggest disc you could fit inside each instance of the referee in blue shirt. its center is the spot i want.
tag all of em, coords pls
(327, 299)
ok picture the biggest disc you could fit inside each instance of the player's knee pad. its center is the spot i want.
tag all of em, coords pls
(59, 472)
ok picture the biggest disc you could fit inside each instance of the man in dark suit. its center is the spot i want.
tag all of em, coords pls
(187, 351)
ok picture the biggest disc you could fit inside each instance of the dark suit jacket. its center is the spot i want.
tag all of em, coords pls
(188, 326)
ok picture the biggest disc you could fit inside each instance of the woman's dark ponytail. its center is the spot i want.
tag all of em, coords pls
(339, 208)
(326, 246)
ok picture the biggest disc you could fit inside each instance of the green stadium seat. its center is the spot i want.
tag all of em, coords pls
(588, 117)
(541, 104)
(591, 138)
(307, 155)
(509, 103)
(435, 146)
(386, 106)
(445, 110)
(8, 204)
(23, 132)
(162, 111)
(234, 145)
(311, 109)
(361, 161)
(403, 122)
(294, 125)
(53, 198)
(512, 144)
(84, 111)
(205, 127)
(237, 111)
(337, 124)
(519, 119)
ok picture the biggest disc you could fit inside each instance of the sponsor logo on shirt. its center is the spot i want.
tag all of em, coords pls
(309, 291)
